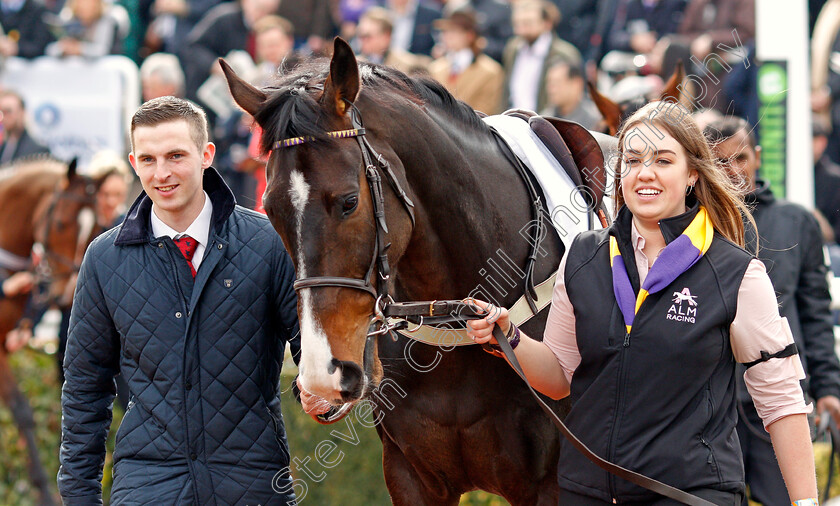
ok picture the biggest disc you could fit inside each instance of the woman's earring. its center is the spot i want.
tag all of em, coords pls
(688, 189)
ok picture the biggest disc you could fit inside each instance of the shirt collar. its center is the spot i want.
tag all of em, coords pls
(540, 46)
(199, 229)
(636, 238)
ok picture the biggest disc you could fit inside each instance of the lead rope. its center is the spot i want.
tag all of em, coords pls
(631, 476)
(461, 311)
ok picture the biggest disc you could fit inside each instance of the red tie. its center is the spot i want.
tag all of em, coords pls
(187, 245)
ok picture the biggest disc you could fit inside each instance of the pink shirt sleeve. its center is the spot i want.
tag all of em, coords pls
(559, 333)
(774, 384)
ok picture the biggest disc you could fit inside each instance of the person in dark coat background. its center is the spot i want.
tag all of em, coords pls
(191, 299)
(224, 28)
(790, 245)
(412, 22)
(25, 33)
(17, 143)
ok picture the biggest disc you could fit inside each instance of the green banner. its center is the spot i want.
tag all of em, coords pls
(772, 125)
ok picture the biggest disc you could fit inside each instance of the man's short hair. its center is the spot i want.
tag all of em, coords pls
(12, 93)
(721, 129)
(168, 109)
(272, 22)
(166, 66)
(574, 70)
(548, 11)
(381, 17)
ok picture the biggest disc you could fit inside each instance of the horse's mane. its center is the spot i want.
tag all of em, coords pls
(293, 111)
(26, 167)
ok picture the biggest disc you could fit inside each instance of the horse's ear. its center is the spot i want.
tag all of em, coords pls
(343, 82)
(71, 168)
(609, 109)
(673, 86)
(248, 97)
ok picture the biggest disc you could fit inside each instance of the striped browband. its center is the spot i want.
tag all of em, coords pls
(337, 134)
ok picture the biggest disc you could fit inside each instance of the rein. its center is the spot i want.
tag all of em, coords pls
(45, 269)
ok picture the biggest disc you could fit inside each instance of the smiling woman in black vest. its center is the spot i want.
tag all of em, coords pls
(647, 322)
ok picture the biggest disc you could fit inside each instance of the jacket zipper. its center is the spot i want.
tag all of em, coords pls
(185, 304)
(611, 446)
(618, 404)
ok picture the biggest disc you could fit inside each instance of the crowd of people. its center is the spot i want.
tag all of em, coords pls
(494, 55)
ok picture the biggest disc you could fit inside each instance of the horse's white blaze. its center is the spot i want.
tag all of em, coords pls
(316, 355)
(86, 221)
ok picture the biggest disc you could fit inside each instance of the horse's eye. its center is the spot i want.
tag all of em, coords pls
(349, 204)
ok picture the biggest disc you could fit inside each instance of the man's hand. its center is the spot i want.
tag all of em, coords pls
(18, 283)
(17, 338)
(8, 46)
(829, 405)
(312, 404)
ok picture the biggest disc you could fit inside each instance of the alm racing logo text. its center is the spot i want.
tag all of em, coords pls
(684, 307)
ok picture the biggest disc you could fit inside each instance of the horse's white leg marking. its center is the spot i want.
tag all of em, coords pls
(316, 356)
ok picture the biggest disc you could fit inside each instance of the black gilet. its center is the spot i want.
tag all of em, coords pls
(661, 399)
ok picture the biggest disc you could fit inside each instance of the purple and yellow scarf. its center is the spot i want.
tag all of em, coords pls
(676, 258)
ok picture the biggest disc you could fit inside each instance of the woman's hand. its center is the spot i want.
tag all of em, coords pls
(481, 331)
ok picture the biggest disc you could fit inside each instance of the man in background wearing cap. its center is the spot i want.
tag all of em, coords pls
(468, 73)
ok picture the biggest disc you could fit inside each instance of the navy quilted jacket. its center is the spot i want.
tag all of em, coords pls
(201, 357)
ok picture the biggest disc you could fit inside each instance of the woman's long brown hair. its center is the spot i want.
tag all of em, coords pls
(714, 190)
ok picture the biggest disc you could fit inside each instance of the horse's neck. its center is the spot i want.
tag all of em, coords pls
(472, 207)
(18, 203)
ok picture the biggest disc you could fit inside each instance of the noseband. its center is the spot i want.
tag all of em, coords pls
(374, 166)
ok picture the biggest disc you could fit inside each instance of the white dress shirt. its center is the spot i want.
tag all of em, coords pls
(199, 229)
(403, 27)
(526, 73)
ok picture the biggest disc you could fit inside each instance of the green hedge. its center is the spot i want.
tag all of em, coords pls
(354, 480)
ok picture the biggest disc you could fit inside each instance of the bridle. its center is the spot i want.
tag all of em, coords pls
(374, 166)
(45, 270)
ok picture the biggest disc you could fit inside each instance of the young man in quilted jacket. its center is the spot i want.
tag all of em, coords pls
(191, 300)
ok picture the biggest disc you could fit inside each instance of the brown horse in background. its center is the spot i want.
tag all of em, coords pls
(41, 201)
(614, 114)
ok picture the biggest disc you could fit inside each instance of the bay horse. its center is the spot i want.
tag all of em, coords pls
(44, 201)
(451, 419)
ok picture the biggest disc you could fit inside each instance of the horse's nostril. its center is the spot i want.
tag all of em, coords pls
(334, 364)
(352, 381)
